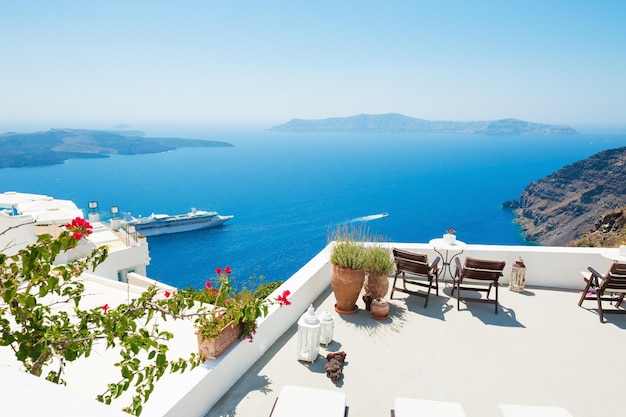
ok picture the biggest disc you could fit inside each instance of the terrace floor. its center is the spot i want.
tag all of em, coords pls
(540, 349)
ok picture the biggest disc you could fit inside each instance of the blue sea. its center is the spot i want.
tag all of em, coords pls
(287, 190)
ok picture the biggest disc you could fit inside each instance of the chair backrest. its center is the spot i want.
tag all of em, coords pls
(411, 262)
(482, 269)
(615, 278)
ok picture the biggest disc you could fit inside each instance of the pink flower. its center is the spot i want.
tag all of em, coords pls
(218, 271)
(79, 228)
(282, 299)
(227, 270)
(105, 307)
(167, 294)
(208, 285)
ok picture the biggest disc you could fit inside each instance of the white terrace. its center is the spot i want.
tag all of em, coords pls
(541, 349)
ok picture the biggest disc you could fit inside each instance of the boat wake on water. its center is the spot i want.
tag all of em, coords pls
(369, 218)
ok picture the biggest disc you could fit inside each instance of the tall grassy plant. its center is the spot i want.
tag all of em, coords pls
(379, 260)
(349, 249)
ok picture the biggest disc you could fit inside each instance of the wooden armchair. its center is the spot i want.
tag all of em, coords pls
(610, 287)
(420, 273)
(477, 275)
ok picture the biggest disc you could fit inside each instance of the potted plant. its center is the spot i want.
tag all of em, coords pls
(450, 237)
(348, 258)
(379, 266)
(234, 313)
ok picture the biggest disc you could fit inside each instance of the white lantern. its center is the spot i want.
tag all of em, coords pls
(518, 276)
(327, 323)
(309, 327)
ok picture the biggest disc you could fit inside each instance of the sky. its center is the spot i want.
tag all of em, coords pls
(108, 63)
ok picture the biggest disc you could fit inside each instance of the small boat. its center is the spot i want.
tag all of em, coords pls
(162, 224)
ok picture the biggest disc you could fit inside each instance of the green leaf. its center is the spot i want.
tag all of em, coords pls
(9, 294)
(161, 360)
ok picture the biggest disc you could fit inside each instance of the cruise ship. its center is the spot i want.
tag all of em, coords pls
(162, 224)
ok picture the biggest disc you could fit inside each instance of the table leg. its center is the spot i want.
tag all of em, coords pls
(446, 265)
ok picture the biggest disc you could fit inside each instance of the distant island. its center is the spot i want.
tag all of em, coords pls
(58, 145)
(394, 122)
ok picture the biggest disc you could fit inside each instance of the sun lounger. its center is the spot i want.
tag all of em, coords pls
(296, 401)
(410, 407)
(513, 410)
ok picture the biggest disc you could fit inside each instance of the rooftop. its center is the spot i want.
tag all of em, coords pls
(540, 349)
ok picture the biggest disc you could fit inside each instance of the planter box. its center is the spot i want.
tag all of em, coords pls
(212, 348)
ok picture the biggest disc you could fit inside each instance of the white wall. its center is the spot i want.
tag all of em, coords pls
(14, 234)
(195, 392)
(126, 258)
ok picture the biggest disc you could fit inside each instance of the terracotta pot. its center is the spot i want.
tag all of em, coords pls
(212, 348)
(379, 309)
(377, 285)
(347, 284)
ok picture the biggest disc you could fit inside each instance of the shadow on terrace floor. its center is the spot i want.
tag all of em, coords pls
(540, 349)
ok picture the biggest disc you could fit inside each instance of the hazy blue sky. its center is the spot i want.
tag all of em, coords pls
(134, 62)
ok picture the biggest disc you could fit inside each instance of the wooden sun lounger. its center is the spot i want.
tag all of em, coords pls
(514, 410)
(296, 401)
(411, 407)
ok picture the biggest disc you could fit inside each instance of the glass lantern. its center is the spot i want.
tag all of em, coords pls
(518, 276)
(115, 218)
(309, 327)
(93, 215)
(327, 323)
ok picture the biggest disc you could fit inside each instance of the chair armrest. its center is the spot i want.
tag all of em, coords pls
(595, 273)
(435, 263)
(459, 268)
(595, 277)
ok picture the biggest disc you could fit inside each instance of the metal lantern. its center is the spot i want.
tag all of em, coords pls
(309, 328)
(327, 323)
(94, 214)
(115, 218)
(518, 276)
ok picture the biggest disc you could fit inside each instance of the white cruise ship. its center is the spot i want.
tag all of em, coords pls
(161, 224)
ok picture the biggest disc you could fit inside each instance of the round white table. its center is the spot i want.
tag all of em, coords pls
(446, 252)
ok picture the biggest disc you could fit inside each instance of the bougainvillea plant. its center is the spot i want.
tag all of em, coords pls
(79, 228)
(237, 307)
(44, 335)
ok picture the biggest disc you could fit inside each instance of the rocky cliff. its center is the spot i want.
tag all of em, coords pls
(568, 203)
(609, 232)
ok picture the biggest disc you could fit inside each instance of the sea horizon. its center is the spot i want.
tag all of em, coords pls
(287, 190)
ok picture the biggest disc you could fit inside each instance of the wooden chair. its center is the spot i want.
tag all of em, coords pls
(416, 265)
(610, 287)
(477, 275)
